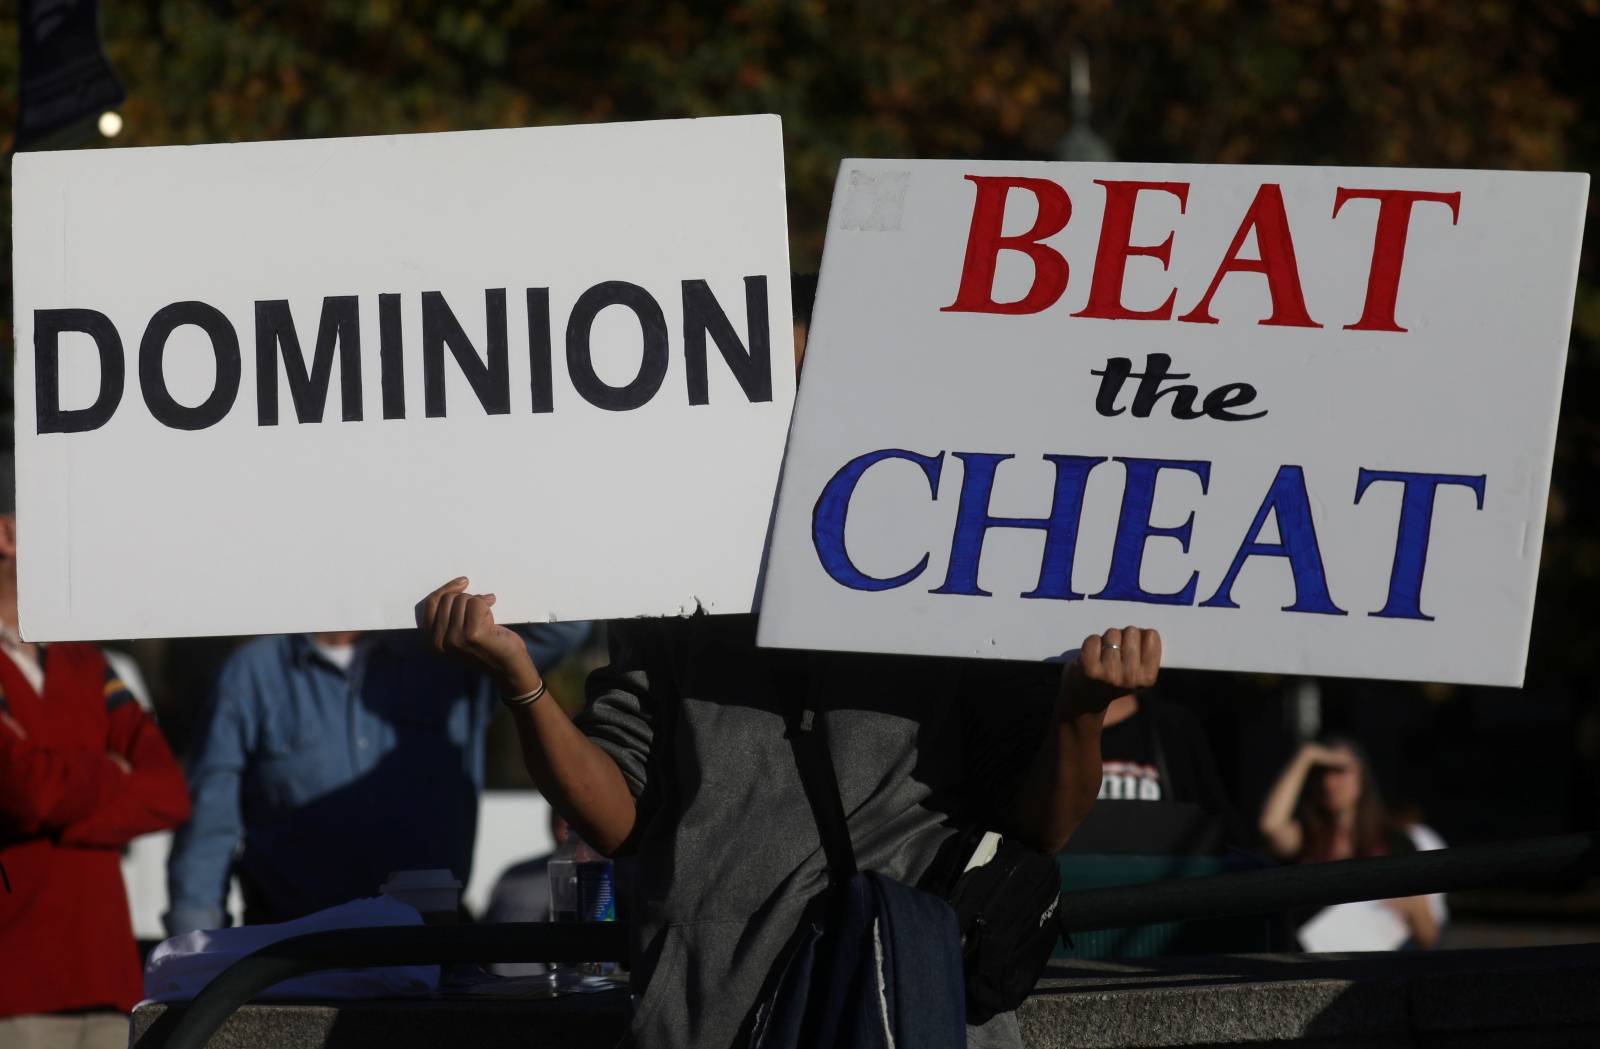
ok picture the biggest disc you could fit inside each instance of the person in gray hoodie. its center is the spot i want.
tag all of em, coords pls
(680, 757)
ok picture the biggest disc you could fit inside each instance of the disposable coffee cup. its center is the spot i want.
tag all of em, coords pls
(436, 894)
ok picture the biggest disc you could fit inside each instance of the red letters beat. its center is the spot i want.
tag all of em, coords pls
(1267, 219)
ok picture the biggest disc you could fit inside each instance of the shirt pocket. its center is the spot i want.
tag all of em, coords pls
(295, 766)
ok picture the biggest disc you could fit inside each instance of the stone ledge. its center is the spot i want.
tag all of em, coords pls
(592, 1021)
(1531, 996)
(1527, 998)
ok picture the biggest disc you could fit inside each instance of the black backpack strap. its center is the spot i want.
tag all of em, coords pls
(796, 686)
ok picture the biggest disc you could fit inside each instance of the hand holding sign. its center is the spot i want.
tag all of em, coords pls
(1111, 665)
(461, 624)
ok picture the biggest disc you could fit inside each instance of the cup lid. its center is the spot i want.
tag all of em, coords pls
(436, 878)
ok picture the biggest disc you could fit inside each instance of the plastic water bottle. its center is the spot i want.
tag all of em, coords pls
(582, 888)
(597, 899)
(563, 873)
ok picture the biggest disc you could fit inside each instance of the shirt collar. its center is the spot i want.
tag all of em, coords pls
(390, 642)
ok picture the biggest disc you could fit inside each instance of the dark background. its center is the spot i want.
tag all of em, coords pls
(1425, 83)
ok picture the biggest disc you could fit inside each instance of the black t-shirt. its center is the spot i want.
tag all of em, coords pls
(1159, 758)
(1130, 771)
(1160, 754)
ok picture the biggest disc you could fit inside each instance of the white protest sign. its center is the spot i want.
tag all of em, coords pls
(296, 385)
(1298, 419)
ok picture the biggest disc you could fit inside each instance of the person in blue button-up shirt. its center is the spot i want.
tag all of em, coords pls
(327, 761)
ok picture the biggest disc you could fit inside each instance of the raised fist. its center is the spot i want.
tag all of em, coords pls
(1113, 664)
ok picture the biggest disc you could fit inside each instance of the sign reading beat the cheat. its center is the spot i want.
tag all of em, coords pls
(1299, 419)
(294, 386)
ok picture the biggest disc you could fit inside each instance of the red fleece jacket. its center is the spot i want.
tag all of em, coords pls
(66, 809)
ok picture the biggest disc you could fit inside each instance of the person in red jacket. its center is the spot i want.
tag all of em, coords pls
(83, 770)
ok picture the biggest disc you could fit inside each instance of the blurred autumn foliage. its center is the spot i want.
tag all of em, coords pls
(1462, 83)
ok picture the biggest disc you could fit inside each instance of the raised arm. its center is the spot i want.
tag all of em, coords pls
(579, 778)
(1279, 828)
(1064, 779)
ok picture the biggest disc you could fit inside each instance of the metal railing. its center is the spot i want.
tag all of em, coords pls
(390, 945)
(1277, 889)
(1258, 892)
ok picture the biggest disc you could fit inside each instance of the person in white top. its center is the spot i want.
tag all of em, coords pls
(1326, 806)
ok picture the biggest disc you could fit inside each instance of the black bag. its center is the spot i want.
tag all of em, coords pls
(874, 963)
(1005, 895)
(1005, 905)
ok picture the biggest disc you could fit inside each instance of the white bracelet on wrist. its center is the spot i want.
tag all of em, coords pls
(527, 699)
